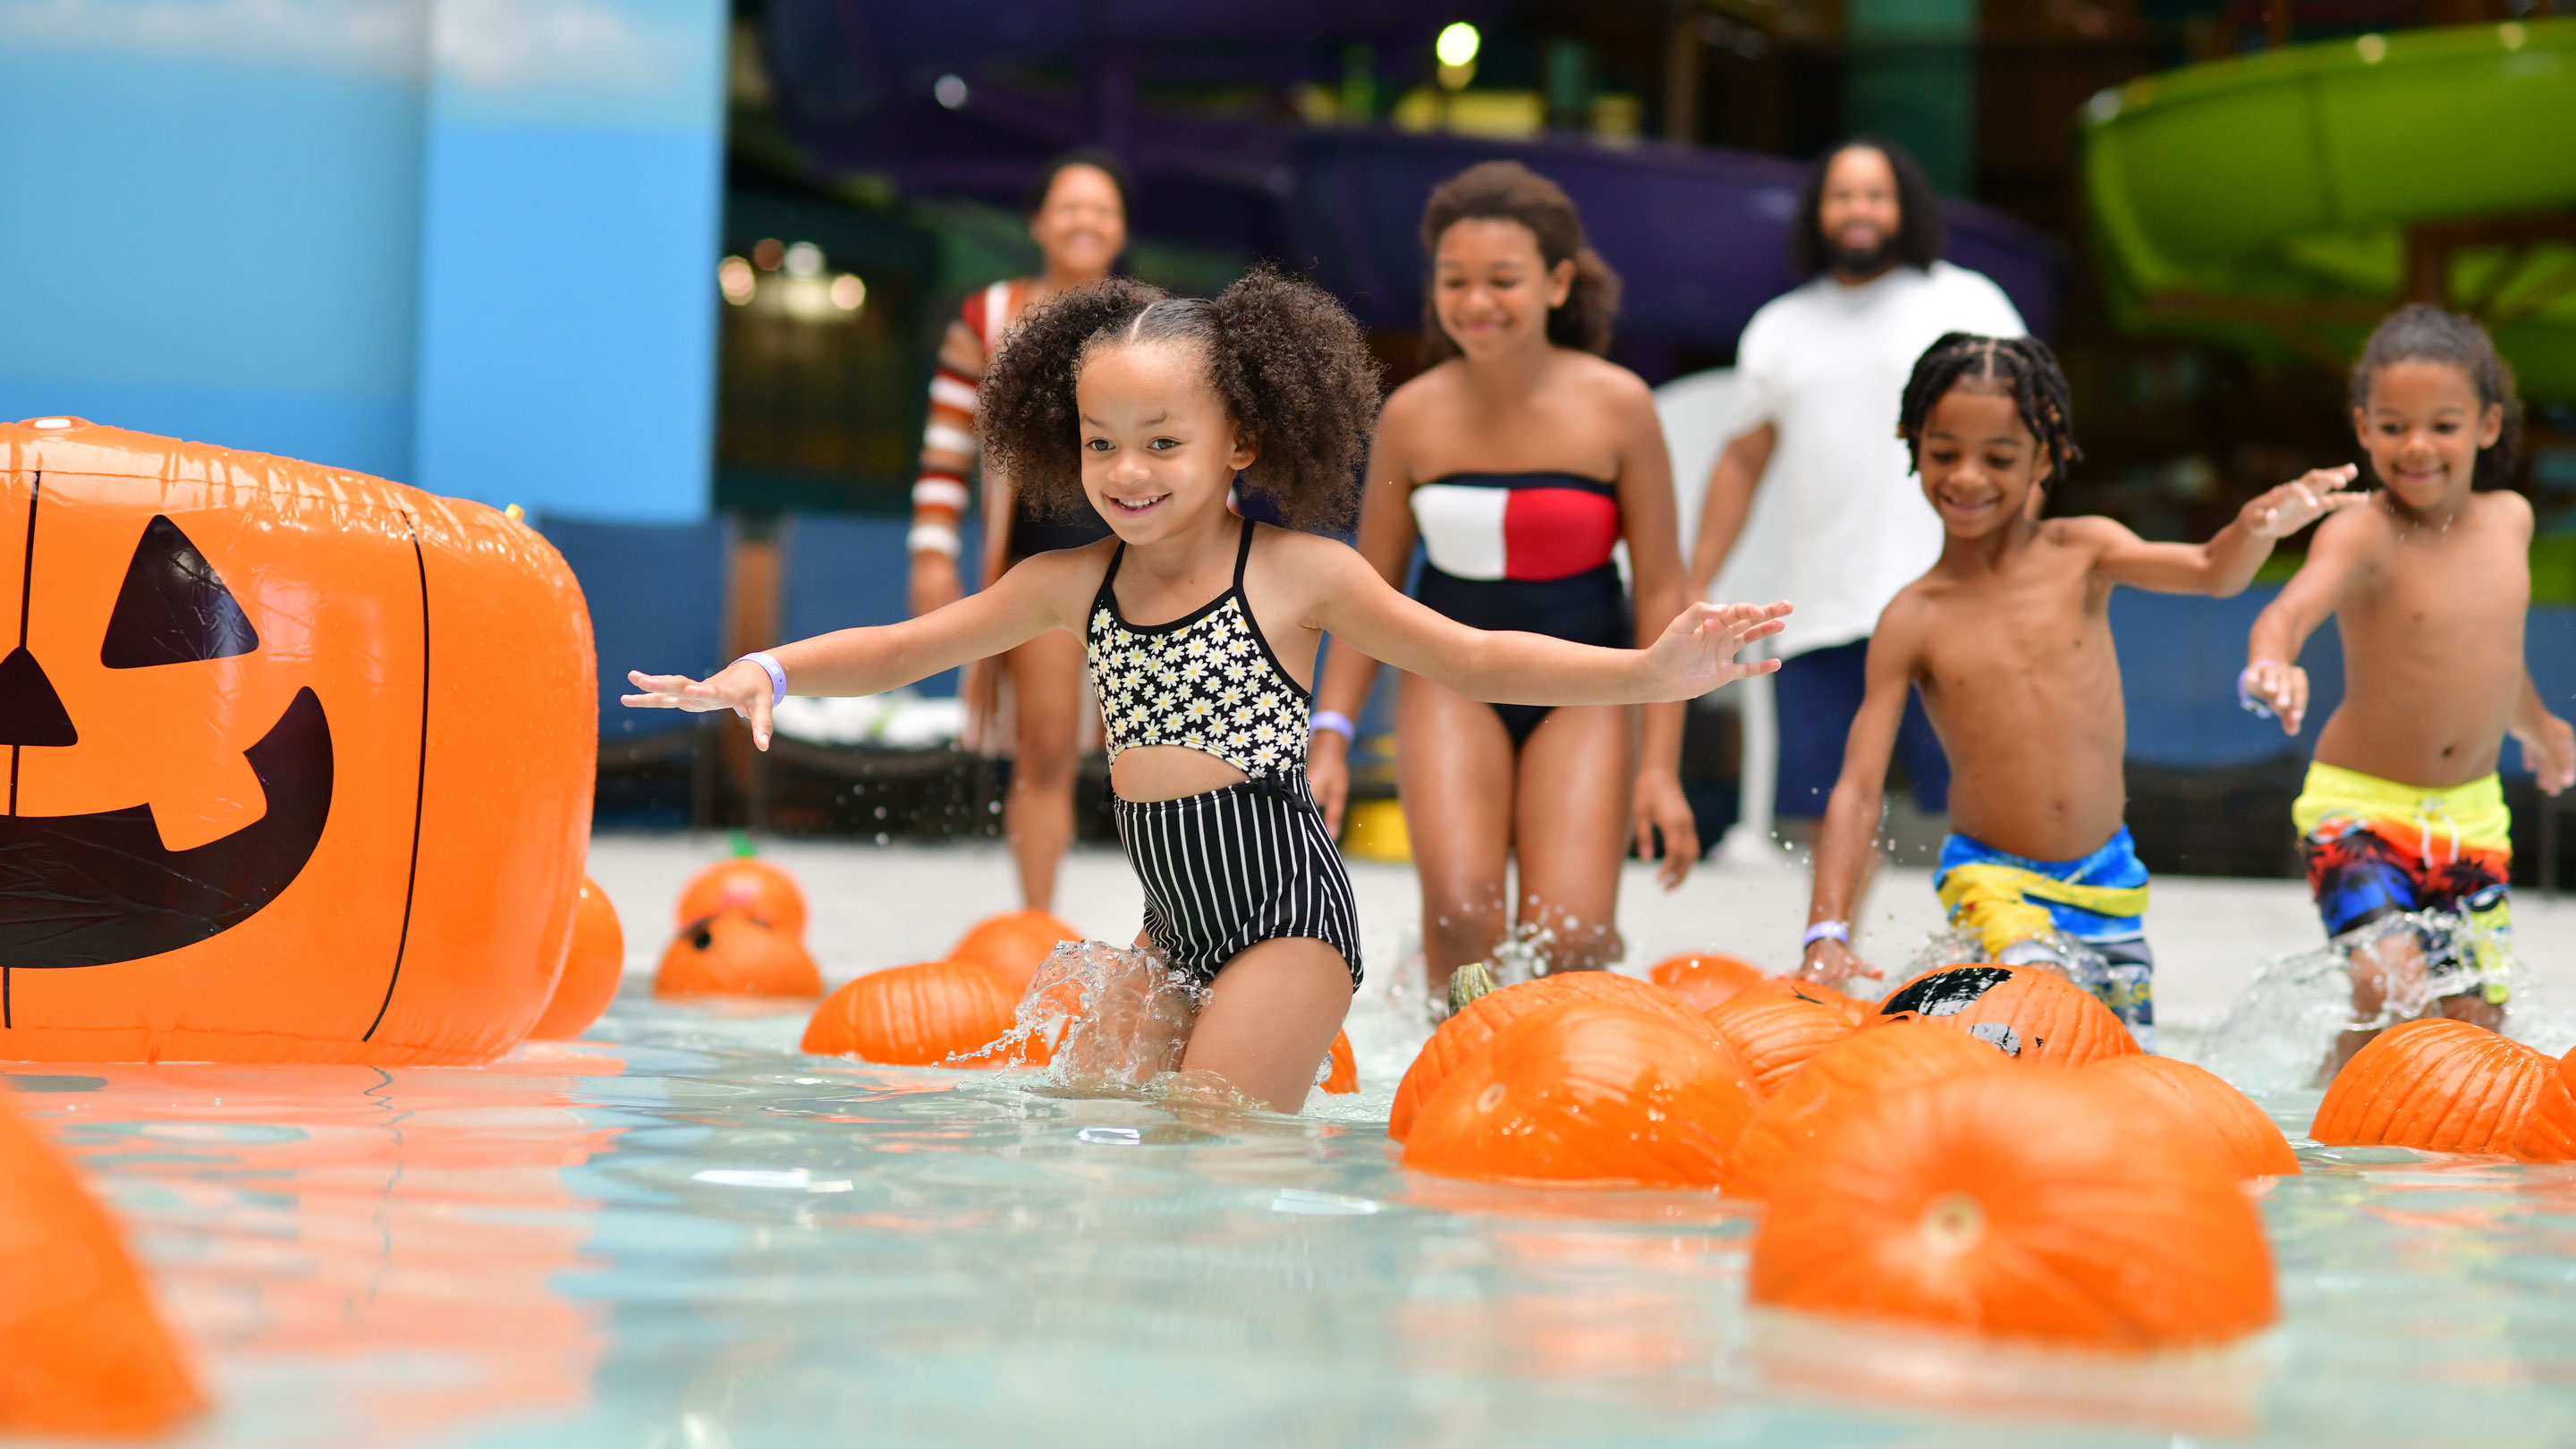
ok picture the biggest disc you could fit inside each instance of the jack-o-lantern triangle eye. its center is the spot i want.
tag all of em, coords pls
(173, 609)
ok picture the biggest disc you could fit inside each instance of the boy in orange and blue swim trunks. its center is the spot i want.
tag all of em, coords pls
(2428, 584)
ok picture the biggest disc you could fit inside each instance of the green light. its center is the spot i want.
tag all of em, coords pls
(1457, 44)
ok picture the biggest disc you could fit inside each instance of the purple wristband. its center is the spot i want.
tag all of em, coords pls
(777, 675)
(1337, 722)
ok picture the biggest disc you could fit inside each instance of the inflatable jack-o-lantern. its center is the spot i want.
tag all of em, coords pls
(297, 762)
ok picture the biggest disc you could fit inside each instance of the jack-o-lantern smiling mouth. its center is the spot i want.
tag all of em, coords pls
(96, 889)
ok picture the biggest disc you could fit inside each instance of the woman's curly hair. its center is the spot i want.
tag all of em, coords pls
(1509, 191)
(1288, 362)
(2419, 333)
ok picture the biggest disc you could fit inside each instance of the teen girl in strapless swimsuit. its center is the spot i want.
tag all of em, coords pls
(1201, 628)
(1520, 460)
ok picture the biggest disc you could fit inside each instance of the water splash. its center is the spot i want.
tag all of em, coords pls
(2279, 1034)
(1105, 1016)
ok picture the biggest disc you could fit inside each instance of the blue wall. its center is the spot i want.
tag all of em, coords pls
(462, 243)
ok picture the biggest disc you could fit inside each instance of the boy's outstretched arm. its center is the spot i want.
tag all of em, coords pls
(1045, 592)
(1844, 846)
(2548, 742)
(2223, 566)
(2273, 682)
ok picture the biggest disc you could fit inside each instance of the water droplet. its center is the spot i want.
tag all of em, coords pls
(1110, 1136)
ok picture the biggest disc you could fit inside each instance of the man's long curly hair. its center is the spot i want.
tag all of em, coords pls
(1286, 359)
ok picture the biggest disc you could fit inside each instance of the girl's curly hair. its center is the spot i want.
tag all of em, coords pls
(1509, 191)
(2419, 333)
(1288, 362)
(2020, 368)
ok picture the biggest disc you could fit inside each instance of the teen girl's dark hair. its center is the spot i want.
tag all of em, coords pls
(1093, 157)
(2021, 368)
(1287, 360)
(1922, 231)
(2428, 334)
(1509, 191)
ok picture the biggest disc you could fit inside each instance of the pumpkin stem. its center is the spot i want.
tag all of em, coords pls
(742, 847)
(1467, 983)
(1952, 1224)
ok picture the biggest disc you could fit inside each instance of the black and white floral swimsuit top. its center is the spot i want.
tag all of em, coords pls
(1207, 682)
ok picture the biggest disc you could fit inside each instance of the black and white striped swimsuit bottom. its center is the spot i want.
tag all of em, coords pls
(1230, 869)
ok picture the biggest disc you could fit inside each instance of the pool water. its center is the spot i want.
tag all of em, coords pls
(682, 1233)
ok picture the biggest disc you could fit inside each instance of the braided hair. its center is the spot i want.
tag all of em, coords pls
(2022, 368)
(2419, 333)
(1286, 359)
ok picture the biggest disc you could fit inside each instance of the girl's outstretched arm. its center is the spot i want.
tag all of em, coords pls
(1050, 591)
(1695, 653)
(2272, 677)
(2223, 566)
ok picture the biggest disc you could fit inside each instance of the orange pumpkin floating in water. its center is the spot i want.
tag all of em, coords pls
(937, 1013)
(267, 799)
(1466, 1033)
(2548, 1132)
(747, 884)
(1706, 980)
(2036, 1204)
(592, 968)
(2223, 1117)
(2436, 1084)
(2032, 1013)
(1775, 1032)
(1855, 1012)
(1591, 1092)
(1340, 1072)
(81, 1350)
(1014, 946)
(732, 954)
(1839, 1076)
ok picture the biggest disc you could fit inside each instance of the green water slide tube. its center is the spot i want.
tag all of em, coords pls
(2284, 202)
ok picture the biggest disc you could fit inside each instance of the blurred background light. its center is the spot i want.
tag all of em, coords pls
(804, 259)
(949, 91)
(735, 278)
(848, 292)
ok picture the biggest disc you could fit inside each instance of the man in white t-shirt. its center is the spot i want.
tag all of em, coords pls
(1822, 368)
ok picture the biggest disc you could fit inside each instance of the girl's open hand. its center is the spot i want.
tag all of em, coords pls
(2269, 687)
(741, 686)
(2294, 505)
(1697, 650)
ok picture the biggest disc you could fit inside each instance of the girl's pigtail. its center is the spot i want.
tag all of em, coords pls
(1026, 415)
(1298, 377)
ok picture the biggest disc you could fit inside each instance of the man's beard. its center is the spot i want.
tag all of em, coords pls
(1861, 262)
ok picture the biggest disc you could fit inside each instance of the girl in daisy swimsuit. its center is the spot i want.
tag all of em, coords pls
(1520, 460)
(1202, 629)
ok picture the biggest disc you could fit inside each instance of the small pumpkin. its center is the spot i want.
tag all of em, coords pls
(1466, 1033)
(1013, 946)
(2435, 1084)
(2223, 1117)
(1704, 980)
(734, 954)
(1588, 1092)
(1855, 1069)
(2038, 1204)
(937, 1013)
(82, 1351)
(2548, 1132)
(748, 884)
(2032, 1013)
(1855, 1012)
(1339, 1075)
(1775, 1032)
(592, 968)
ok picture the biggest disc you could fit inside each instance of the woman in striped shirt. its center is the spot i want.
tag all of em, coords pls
(1078, 217)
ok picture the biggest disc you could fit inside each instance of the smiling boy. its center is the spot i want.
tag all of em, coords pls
(2008, 637)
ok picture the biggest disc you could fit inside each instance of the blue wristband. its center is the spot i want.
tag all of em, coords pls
(1826, 931)
(777, 675)
(1337, 722)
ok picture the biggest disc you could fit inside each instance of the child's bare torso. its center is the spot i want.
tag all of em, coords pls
(2432, 624)
(2014, 659)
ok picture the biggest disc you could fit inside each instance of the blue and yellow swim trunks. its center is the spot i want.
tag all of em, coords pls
(2375, 848)
(2100, 901)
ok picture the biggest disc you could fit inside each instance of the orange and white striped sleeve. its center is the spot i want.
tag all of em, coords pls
(948, 440)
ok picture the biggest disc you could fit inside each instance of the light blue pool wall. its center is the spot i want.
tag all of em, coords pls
(465, 246)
